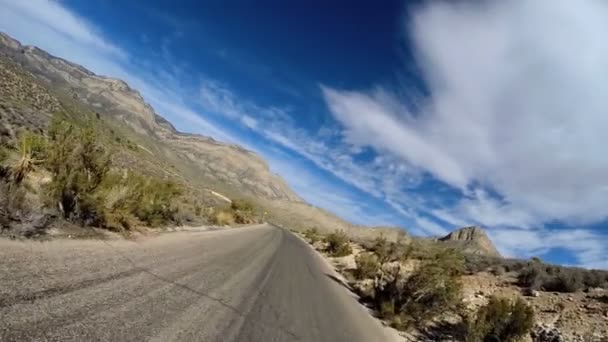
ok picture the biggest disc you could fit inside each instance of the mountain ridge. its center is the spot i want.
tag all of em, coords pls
(196, 156)
(116, 98)
(471, 239)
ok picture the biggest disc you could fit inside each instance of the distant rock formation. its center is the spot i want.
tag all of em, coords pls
(472, 240)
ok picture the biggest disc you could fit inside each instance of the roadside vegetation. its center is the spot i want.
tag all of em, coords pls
(501, 319)
(73, 176)
(69, 173)
(537, 275)
(338, 244)
(240, 211)
(312, 235)
(415, 285)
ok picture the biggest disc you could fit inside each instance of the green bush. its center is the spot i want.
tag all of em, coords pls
(384, 249)
(566, 280)
(367, 266)
(602, 299)
(86, 191)
(388, 251)
(596, 278)
(150, 200)
(242, 211)
(533, 276)
(500, 320)
(338, 244)
(312, 235)
(555, 278)
(3, 154)
(239, 212)
(78, 163)
(31, 148)
(222, 217)
(433, 288)
(242, 205)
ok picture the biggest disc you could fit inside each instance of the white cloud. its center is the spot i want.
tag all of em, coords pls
(379, 177)
(517, 105)
(385, 177)
(589, 247)
(58, 30)
(38, 17)
(324, 194)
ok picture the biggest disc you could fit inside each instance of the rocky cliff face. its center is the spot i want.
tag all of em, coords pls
(472, 240)
(196, 155)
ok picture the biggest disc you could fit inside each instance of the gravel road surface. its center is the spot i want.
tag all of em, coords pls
(246, 284)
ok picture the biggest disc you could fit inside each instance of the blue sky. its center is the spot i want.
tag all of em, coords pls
(426, 115)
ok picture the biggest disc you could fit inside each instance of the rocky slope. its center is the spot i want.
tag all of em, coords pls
(471, 240)
(196, 156)
(200, 160)
(197, 160)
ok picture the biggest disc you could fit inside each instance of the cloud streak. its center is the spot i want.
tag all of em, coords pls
(515, 120)
(54, 28)
(513, 108)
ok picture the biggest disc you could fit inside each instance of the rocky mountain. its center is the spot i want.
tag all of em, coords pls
(196, 157)
(472, 240)
(49, 84)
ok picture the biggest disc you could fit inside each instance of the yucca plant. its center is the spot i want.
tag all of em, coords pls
(31, 148)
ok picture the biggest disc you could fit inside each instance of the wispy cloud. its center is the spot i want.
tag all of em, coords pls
(588, 246)
(516, 116)
(385, 177)
(55, 28)
(512, 108)
(40, 17)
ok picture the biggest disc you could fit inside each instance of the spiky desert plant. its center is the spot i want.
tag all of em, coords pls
(31, 149)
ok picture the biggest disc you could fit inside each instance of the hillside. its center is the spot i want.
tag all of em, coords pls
(199, 158)
(35, 85)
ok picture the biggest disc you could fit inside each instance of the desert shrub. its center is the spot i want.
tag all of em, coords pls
(433, 288)
(154, 205)
(566, 280)
(78, 163)
(478, 263)
(223, 218)
(243, 211)
(553, 278)
(149, 200)
(602, 299)
(242, 205)
(31, 148)
(367, 266)
(533, 276)
(388, 251)
(500, 320)
(87, 191)
(497, 270)
(536, 260)
(380, 247)
(13, 201)
(338, 244)
(3, 154)
(312, 235)
(513, 265)
(596, 278)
